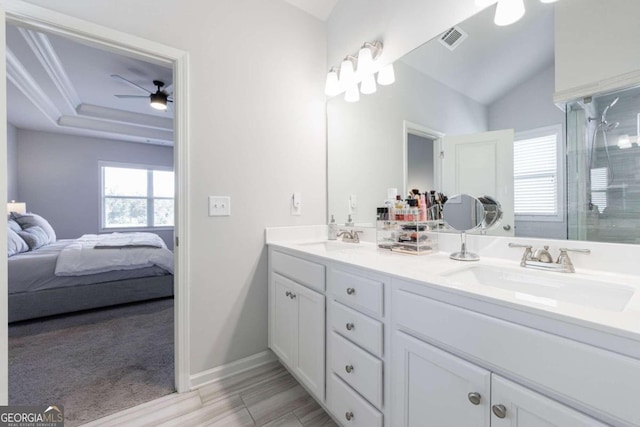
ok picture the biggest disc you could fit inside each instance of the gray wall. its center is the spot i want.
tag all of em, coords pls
(12, 163)
(527, 107)
(59, 177)
(420, 163)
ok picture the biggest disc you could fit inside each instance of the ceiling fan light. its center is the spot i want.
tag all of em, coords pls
(158, 101)
(508, 12)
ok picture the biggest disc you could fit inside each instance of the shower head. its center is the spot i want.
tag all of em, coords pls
(611, 126)
(604, 113)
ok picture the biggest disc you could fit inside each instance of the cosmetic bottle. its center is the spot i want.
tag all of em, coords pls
(333, 229)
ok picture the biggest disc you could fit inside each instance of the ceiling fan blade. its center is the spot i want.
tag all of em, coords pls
(168, 89)
(131, 96)
(129, 82)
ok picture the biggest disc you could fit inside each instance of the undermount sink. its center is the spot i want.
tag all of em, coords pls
(329, 245)
(546, 288)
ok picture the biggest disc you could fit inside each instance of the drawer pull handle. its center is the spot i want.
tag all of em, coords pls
(499, 411)
(348, 368)
(474, 398)
(351, 291)
(350, 326)
(349, 416)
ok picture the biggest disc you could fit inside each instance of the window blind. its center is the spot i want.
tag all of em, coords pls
(599, 182)
(535, 171)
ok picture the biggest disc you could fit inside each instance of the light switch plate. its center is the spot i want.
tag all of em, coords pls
(296, 204)
(219, 206)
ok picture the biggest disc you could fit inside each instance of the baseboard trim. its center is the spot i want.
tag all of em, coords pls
(223, 371)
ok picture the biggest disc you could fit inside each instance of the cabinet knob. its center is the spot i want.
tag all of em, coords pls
(288, 294)
(351, 291)
(474, 398)
(499, 411)
(348, 368)
(350, 326)
(349, 416)
(292, 296)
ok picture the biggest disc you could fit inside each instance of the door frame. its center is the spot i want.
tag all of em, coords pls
(42, 19)
(410, 128)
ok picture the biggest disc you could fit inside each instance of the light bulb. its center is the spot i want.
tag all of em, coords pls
(368, 85)
(352, 94)
(485, 3)
(508, 12)
(386, 76)
(624, 142)
(548, 1)
(365, 62)
(332, 87)
(347, 74)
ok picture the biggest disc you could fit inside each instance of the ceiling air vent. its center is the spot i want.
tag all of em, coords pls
(453, 37)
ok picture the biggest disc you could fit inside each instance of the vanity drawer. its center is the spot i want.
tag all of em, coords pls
(361, 329)
(357, 291)
(297, 269)
(349, 408)
(357, 368)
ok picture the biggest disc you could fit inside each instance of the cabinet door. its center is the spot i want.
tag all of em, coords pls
(517, 406)
(284, 324)
(310, 339)
(431, 387)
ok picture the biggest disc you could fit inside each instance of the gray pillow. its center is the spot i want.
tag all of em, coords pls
(35, 237)
(15, 243)
(30, 220)
(14, 225)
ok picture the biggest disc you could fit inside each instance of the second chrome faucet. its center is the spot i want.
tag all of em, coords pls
(541, 259)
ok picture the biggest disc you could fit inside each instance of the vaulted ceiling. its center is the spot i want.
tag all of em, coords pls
(58, 85)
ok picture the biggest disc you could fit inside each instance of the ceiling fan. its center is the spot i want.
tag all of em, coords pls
(157, 99)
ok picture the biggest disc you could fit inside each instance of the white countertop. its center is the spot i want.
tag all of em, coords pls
(428, 270)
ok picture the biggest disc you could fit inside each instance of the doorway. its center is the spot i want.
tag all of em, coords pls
(40, 19)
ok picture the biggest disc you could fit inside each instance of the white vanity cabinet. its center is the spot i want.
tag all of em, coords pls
(297, 319)
(355, 346)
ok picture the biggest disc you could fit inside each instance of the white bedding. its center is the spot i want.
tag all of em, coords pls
(135, 250)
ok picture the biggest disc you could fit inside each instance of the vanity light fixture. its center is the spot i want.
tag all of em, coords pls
(332, 87)
(548, 1)
(386, 76)
(359, 70)
(508, 12)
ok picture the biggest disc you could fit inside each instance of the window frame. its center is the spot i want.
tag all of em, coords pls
(559, 216)
(139, 166)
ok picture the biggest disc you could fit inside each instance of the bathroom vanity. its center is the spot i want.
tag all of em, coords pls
(382, 339)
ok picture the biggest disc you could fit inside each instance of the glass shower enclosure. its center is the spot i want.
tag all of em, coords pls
(603, 168)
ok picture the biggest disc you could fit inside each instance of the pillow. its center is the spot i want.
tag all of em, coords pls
(30, 219)
(15, 244)
(14, 225)
(35, 237)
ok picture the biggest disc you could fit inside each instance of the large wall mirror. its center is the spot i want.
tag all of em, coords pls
(479, 117)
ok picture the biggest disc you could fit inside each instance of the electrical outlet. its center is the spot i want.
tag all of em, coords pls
(219, 206)
(296, 204)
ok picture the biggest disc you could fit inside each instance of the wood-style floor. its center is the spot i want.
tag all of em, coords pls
(264, 396)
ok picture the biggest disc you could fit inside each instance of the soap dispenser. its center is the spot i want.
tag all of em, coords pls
(333, 229)
(349, 222)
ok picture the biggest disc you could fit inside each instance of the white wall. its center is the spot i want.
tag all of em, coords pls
(530, 106)
(257, 126)
(402, 25)
(365, 140)
(59, 177)
(595, 40)
(12, 163)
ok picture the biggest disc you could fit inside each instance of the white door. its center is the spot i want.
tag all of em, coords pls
(516, 406)
(434, 388)
(481, 164)
(284, 325)
(4, 356)
(309, 363)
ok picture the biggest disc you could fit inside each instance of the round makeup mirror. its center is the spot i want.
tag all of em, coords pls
(465, 213)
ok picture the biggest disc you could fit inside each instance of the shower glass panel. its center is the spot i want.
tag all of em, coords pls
(603, 168)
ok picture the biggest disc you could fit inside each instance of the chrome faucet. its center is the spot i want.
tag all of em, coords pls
(350, 236)
(541, 259)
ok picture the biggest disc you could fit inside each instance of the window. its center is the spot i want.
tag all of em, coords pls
(538, 174)
(599, 183)
(135, 196)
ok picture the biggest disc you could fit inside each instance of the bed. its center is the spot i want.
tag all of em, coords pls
(40, 285)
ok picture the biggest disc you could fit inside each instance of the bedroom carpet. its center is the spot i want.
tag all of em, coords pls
(94, 363)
